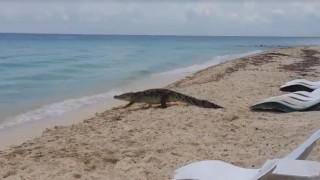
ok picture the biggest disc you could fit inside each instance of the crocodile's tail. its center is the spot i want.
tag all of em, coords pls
(202, 103)
(198, 102)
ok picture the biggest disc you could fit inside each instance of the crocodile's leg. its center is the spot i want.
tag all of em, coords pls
(147, 106)
(132, 102)
(163, 101)
(121, 107)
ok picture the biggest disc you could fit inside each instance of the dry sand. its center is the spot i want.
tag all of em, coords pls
(138, 143)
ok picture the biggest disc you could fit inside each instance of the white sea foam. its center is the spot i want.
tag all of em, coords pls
(57, 109)
(214, 61)
(61, 108)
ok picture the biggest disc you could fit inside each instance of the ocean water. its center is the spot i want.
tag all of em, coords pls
(47, 75)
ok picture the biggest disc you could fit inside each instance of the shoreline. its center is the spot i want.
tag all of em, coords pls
(139, 143)
(19, 133)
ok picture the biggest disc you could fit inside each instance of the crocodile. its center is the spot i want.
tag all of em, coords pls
(162, 96)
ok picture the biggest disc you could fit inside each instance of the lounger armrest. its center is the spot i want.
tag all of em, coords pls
(266, 170)
(302, 151)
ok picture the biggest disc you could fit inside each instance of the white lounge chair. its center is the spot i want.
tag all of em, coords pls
(300, 85)
(292, 166)
(297, 101)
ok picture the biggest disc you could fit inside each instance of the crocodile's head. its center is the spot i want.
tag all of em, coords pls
(125, 96)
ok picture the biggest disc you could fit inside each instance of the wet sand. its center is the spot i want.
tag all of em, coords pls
(139, 143)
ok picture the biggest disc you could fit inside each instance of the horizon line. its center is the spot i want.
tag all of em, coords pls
(174, 35)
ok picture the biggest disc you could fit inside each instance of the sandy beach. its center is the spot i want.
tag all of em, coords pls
(139, 143)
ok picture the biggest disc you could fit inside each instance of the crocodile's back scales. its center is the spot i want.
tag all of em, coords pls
(161, 96)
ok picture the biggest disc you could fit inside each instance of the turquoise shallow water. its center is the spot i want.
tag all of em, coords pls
(38, 70)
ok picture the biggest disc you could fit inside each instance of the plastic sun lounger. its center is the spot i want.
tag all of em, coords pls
(292, 166)
(300, 85)
(297, 101)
